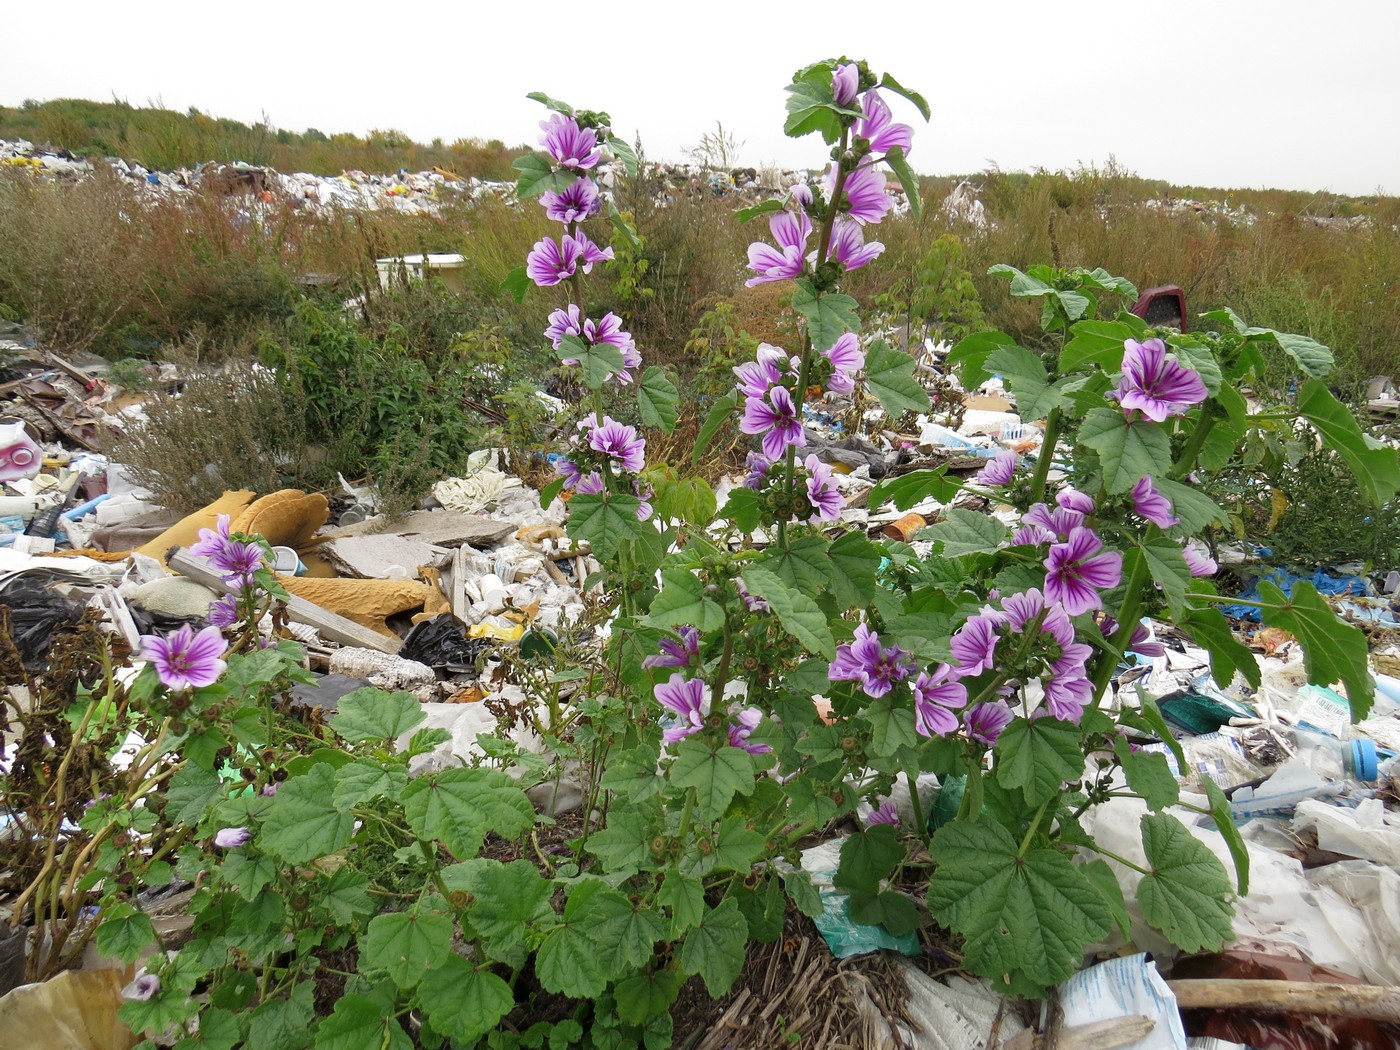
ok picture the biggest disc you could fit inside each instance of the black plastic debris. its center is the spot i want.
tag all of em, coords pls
(442, 644)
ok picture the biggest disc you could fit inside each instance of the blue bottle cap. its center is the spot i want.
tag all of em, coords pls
(1363, 755)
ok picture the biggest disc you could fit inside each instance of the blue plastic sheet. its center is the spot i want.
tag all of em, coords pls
(1284, 580)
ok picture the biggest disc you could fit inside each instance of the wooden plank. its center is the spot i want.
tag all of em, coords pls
(1097, 1035)
(1302, 997)
(333, 626)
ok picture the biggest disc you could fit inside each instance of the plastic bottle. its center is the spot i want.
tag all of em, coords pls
(1337, 759)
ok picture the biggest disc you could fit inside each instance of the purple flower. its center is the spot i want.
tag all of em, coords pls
(1078, 569)
(574, 204)
(608, 331)
(677, 654)
(1031, 536)
(999, 471)
(589, 251)
(790, 231)
(866, 661)
(801, 194)
(1066, 695)
(1141, 641)
(238, 561)
(1022, 609)
(975, 642)
(879, 127)
(847, 358)
(1198, 559)
(1060, 521)
(568, 321)
(223, 612)
(1072, 499)
(211, 541)
(590, 484)
(644, 495)
(1155, 384)
(747, 721)
(936, 696)
(755, 378)
(144, 988)
(885, 813)
(569, 145)
(986, 721)
(751, 601)
(845, 83)
(686, 700)
(619, 441)
(775, 417)
(232, 838)
(1152, 505)
(822, 492)
(185, 660)
(848, 245)
(863, 192)
(549, 263)
(757, 468)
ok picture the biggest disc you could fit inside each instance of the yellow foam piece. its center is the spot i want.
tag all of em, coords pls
(186, 531)
(288, 518)
(368, 602)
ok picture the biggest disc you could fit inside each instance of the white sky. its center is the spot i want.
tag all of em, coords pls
(1225, 93)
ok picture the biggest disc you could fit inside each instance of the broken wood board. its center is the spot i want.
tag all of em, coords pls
(441, 528)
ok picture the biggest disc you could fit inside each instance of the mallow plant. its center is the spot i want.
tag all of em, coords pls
(766, 668)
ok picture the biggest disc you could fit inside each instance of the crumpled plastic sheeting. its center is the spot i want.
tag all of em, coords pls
(1366, 832)
(77, 1010)
(1286, 905)
(957, 1015)
(1284, 580)
(387, 672)
(481, 487)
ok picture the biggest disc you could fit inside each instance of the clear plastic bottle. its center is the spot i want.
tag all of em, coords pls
(1337, 759)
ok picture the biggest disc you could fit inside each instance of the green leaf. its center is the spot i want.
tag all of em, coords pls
(605, 521)
(969, 358)
(1168, 569)
(716, 771)
(460, 806)
(551, 491)
(803, 566)
(812, 107)
(1037, 756)
(888, 908)
(964, 532)
(646, 995)
(913, 488)
(1186, 896)
(516, 284)
(805, 896)
(598, 360)
(830, 315)
(897, 162)
(891, 729)
(508, 897)
(623, 152)
(345, 896)
(1333, 651)
(1095, 343)
(720, 414)
(1030, 915)
(716, 948)
(1196, 510)
(1209, 629)
(537, 175)
(1127, 451)
(367, 779)
(406, 944)
(1027, 379)
(852, 562)
(303, 822)
(358, 1022)
(620, 930)
(284, 1024)
(868, 858)
(1101, 876)
(1023, 285)
(743, 509)
(1312, 357)
(889, 375)
(191, 791)
(766, 208)
(689, 499)
(1149, 775)
(462, 1001)
(125, 932)
(887, 81)
(683, 599)
(685, 897)
(632, 774)
(799, 614)
(1225, 824)
(374, 714)
(1377, 469)
(623, 845)
(658, 399)
(551, 103)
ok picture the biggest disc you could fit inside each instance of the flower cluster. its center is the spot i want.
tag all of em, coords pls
(607, 448)
(688, 701)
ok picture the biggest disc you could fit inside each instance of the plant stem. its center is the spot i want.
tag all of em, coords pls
(1186, 462)
(1114, 856)
(917, 804)
(1128, 614)
(1054, 422)
(1035, 825)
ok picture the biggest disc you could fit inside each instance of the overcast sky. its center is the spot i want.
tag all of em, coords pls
(1225, 93)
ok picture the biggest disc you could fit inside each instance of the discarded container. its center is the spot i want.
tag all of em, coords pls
(20, 457)
(905, 528)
